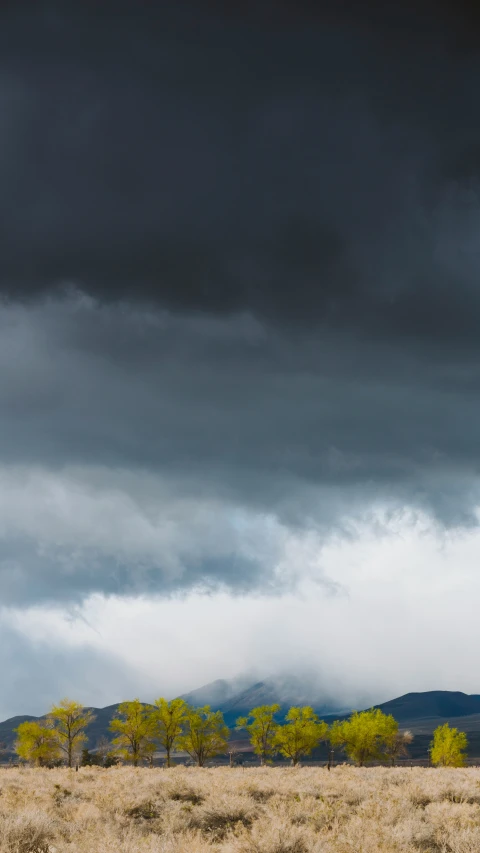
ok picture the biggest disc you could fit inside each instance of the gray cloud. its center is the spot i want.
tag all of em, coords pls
(239, 268)
(145, 453)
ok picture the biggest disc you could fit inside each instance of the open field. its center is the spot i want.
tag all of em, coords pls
(265, 810)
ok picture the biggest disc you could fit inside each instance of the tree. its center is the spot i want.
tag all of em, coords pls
(300, 734)
(447, 747)
(396, 745)
(69, 720)
(233, 755)
(364, 735)
(37, 743)
(262, 728)
(168, 720)
(134, 728)
(90, 759)
(103, 748)
(204, 734)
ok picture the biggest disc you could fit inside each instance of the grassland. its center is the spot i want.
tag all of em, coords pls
(261, 810)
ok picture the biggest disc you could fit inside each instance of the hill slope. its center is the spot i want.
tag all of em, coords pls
(439, 704)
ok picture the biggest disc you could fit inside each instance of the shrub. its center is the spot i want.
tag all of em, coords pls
(27, 832)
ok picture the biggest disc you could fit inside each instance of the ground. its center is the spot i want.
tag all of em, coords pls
(258, 810)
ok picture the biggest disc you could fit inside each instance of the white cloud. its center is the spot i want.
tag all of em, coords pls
(403, 617)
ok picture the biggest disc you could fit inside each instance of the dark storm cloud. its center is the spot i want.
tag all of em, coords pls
(323, 172)
(239, 257)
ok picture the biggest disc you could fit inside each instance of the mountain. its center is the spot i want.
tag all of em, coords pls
(419, 712)
(437, 704)
(284, 691)
(217, 693)
(236, 697)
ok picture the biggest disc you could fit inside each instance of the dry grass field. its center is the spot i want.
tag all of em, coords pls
(348, 810)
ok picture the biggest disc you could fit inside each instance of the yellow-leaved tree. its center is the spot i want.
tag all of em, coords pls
(261, 726)
(168, 720)
(447, 747)
(364, 735)
(69, 720)
(300, 734)
(134, 729)
(37, 743)
(204, 734)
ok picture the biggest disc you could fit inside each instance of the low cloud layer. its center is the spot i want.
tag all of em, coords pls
(405, 602)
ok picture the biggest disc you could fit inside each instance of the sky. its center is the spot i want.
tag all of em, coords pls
(239, 348)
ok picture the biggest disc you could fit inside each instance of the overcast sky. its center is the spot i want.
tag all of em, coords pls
(239, 348)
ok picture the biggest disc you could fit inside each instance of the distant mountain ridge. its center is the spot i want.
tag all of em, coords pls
(284, 691)
(420, 712)
(433, 703)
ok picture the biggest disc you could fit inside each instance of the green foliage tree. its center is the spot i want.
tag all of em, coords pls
(168, 720)
(396, 745)
(134, 730)
(69, 720)
(204, 734)
(37, 743)
(262, 729)
(447, 747)
(364, 735)
(300, 734)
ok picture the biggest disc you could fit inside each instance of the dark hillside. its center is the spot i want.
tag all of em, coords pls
(434, 703)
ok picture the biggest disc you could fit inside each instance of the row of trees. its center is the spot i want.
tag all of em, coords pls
(140, 730)
(366, 736)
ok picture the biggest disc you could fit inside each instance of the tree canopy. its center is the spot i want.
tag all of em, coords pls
(37, 743)
(204, 734)
(300, 734)
(168, 721)
(261, 726)
(364, 735)
(69, 720)
(447, 747)
(134, 729)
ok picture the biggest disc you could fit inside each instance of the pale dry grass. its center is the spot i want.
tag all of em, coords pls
(257, 810)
